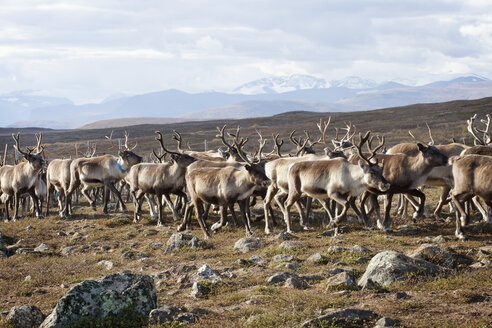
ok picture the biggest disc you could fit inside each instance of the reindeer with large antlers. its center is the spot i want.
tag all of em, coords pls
(158, 179)
(101, 171)
(225, 186)
(335, 179)
(23, 177)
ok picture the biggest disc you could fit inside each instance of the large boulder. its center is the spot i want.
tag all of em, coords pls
(390, 266)
(168, 314)
(440, 256)
(25, 316)
(340, 318)
(109, 296)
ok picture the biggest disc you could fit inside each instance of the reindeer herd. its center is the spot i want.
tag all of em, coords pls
(343, 177)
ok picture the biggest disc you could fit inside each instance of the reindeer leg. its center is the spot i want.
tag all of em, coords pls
(199, 214)
(170, 204)
(420, 211)
(488, 218)
(35, 202)
(442, 200)
(292, 199)
(136, 216)
(271, 191)
(159, 210)
(481, 209)
(387, 210)
(326, 205)
(186, 218)
(223, 218)
(16, 206)
(106, 200)
(461, 216)
(117, 194)
(242, 207)
(235, 219)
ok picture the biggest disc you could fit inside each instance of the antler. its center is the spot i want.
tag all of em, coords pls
(4, 160)
(323, 130)
(159, 138)
(431, 143)
(110, 138)
(299, 143)
(91, 150)
(276, 147)
(372, 152)
(262, 143)
(126, 143)
(177, 137)
(17, 146)
(221, 135)
(159, 157)
(486, 137)
(339, 143)
(364, 139)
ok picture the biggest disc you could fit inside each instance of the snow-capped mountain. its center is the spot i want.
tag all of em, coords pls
(354, 82)
(280, 84)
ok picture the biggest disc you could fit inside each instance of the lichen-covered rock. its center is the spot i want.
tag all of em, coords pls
(109, 296)
(169, 313)
(42, 248)
(317, 258)
(201, 289)
(206, 273)
(296, 283)
(357, 249)
(69, 250)
(283, 258)
(179, 240)
(106, 264)
(337, 318)
(25, 316)
(247, 244)
(291, 244)
(390, 266)
(342, 280)
(281, 277)
(440, 256)
(386, 322)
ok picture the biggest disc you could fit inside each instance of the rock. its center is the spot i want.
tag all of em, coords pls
(439, 239)
(390, 266)
(258, 260)
(25, 316)
(296, 283)
(281, 236)
(317, 258)
(76, 237)
(61, 234)
(69, 250)
(181, 269)
(28, 278)
(291, 244)
(108, 296)
(283, 258)
(400, 295)
(108, 265)
(370, 284)
(292, 266)
(168, 313)
(385, 322)
(156, 245)
(336, 270)
(311, 277)
(206, 273)
(281, 277)
(247, 244)
(29, 227)
(25, 250)
(150, 232)
(179, 240)
(439, 256)
(133, 255)
(362, 260)
(243, 262)
(342, 280)
(357, 249)
(335, 249)
(408, 230)
(11, 250)
(42, 248)
(342, 318)
(202, 289)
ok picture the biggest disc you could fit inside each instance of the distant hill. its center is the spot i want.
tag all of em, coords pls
(129, 121)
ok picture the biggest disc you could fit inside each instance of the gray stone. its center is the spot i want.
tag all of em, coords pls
(336, 270)
(247, 244)
(400, 295)
(76, 237)
(169, 313)
(42, 248)
(25, 250)
(156, 245)
(390, 266)
(317, 258)
(29, 228)
(179, 240)
(385, 322)
(150, 232)
(206, 273)
(311, 277)
(61, 234)
(335, 249)
(69, 250)
(296, 283)
(292, 266)
(181, 269)
(440, 256)
(282, 236)
(408, 230)
(357, 249)
(243, 262)
(25, 316)
(342, 280)
(281, 277)
(107, 296)
(108, 265)
(283, 258)
(202, 289)
(133, 255)
(258, 260)
(336, 317)
(291, 244)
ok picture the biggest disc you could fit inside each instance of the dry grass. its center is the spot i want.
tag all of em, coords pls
(461, 298)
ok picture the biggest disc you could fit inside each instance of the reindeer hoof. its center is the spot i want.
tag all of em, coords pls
(460, 235)
(268, 231)
(307, 228)
(181, 227)
(216, 226)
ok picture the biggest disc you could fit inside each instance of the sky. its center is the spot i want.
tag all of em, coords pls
(88, 50)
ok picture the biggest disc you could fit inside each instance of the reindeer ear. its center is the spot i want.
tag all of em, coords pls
(248, 167)
(363, 166)
(421, 147)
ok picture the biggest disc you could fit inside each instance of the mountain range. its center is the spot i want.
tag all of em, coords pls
(264, 97)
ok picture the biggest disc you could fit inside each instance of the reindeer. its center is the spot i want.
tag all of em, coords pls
(335, 179)
(102, 171)
(22, 178)
(58, 178)
(405, 174)
(158, 179)
(471, 177)
(225, 186)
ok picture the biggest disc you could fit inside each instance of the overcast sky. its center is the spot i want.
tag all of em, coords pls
(88, 50)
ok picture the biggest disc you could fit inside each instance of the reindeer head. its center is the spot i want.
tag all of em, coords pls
(183, 159)
(432, 155)
(36, 161)
(373, 173)
(127, 154)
